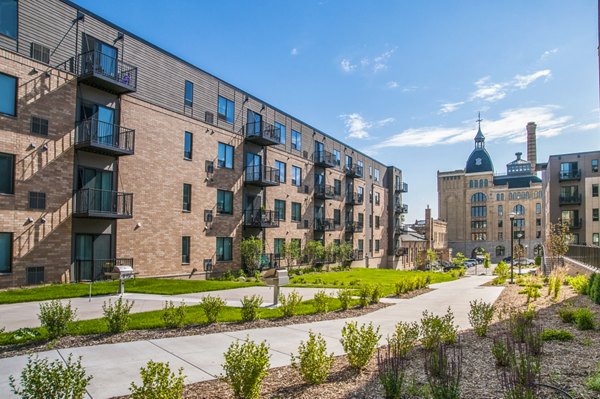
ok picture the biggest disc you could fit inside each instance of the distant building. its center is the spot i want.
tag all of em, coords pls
(414, 245)
(476, 203)
(570, 186)
(435, 233)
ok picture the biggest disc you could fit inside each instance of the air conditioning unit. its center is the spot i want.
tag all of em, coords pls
(209, 117)
(209, 167)
(208, 216)
(208, 265)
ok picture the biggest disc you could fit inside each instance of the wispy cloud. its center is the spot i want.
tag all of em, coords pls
(510, 126)
(590, 126)
(522, 81)
(548, 53)
(357, 126)
(392, 84)
(294, 51)
(376, 64)
(380, 62)
(347, 66)
(451, 107)
(488, 91)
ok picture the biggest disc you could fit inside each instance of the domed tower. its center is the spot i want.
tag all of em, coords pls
(479, 161)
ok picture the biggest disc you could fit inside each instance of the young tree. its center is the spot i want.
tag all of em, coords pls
(345, 254)
(557, 242)
(459, 259)
(315, 251)
(486, 261)
(252, 251)
(432, 257)
(330, 252)
(291, 251)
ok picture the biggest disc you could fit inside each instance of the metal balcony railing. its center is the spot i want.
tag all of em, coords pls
(95, 269)
(261, 175)
(354, 198)
(105, 204)
(570, 199)
(104, 71)
(590, 255)
(325, 191)
(400, 207)
(262, 133)
(573, 223)
(353, 170)
(105, 138)
(565, 175)
(325, 159)
(261, 218)
(401, 188)
(326, 225)
(354, 227)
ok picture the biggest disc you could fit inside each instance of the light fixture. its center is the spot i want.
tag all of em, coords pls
(262, 108)
(44, 147)
(120, 36)
(138, 225)
(42, 220)
(29, 220)
(33, 71)
(32, 146)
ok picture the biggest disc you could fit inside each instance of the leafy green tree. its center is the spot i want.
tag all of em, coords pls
(557, 242)
(486, 261)
(459, 259)
(315, 251)
(432, 257)
(345, 254)
(291, 251)
(252, 251)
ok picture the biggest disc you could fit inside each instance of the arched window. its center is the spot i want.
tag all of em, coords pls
(500, 250)
(519, 209)
(486, 182)
(481, 183)
(475, 183)
(478, 197)
(471, 183)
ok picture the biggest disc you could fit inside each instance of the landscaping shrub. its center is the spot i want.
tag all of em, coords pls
(593, 381)
(595, 288)
(556, 281)
(289, 304)
(519, 322)
(359, 343)
(567, 314)
(251, 307)
(579, 283)
(345, 297)
(376, 294)
(522, 375)
(56, 379)
(174, 316)
(480, 316)
(321, 301)
(502, 270)
(533, 340)
(401, 287)
(364, 295)
(312, 361)
(117, 315)
(556, 335)
(56, 318)
(158, 382)
(584, 319)
(500, 352)
(404, 338)
(444, 372)
(212, 306)
(532, 288)
(437, 329)
(391, 374)
(246, 365)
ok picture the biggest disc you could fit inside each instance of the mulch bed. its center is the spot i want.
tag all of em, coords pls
(564, 364)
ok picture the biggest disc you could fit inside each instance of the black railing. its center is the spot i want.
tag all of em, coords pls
(590, 255)
(570, 199)
(325, 191)
(354, 227)
(354, 198)
(399, 207)
(261, 218)
(399, 229)
(573, 223)
(358, 254)
(103, 135)
(262, 175)
(96, 63)
(401, 188)
(326, 225)
(103, 203)
(400, 251)
(353, 170)
(325, 159)
(95, 269)
(270, 261)
(569, 175)
(262, 133)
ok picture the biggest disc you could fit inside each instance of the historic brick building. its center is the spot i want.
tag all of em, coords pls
(113, 150)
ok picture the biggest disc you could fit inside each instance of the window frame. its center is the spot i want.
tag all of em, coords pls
(189, 199)
(14, 97)
(296, 140)
(185, 246)
(225, 117)
(281, 171)
(225, 147)
(11, 249)
(188, 102)
(282, 131)
(226, 199)
(16, 36)
(278, 215)
(296, 206)
(594, 165)
(187, 134)
(11, 174)
(221, 257)
(296, 181)
(35, 198)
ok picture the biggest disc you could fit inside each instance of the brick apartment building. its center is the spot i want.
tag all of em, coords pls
(113, 151)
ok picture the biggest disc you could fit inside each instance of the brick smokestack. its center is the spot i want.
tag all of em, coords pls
(531, 142)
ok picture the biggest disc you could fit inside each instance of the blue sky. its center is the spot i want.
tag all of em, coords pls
(401, 80)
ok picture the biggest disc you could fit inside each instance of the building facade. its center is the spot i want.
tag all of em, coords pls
(477, 204)
(570, 185)
(435, 232)
(114, 151)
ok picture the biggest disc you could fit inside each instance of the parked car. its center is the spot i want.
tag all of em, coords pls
(450, 266)
(524, 262)
(507, 259)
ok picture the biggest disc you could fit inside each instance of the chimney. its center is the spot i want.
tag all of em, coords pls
(427, 213)
(531, 142)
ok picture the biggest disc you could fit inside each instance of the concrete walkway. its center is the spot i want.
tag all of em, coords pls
(115, 366)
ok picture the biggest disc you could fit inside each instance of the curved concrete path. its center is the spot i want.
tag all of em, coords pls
(115, 366)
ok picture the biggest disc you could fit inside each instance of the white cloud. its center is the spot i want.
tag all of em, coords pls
(488, 91)
(357, 126)
(409, 89)
(589, 126)
(548, 53)
(522, 81)
(451, 107)
(392, 84)
(294, 51)
(347, 66)
(375, 65)
(380, 62)
(510, 127)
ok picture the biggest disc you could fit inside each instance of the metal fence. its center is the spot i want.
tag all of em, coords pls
(590, 255)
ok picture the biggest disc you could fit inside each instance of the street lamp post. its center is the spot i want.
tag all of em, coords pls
(519, 236)
(511, 216)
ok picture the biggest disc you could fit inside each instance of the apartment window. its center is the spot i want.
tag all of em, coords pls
(224, 249)
(370, 245)
(7, 173)
(575, 238)
(188, 98)
(519, 209)
(224, 202)
(337, 156)
(478, 211)
(8, 94)
(538, 222)
(296, 211)
(594, 165)
(225, 109)
(35, 275)
(282, 132)
(8, 18)
(596, 239)
(5, 252)
(370, 171)
(187, 146)
(296, 140)
(376, 245)
(500, 210)
(225, 156)
(185, 249)
(361, 244)
(337, 187)
(37, 200)
(278, 247)
(297, 242)
(187, 197)
(500, 223)
(280, 209)
(377, 222)
(500, 236)
(280, 166)
(377, 198)
(361, 219)
(538, 208)
(40, 53)
(376, 174)
(538, 234)
(371, 221)
(359, 167)
(594, 190)
(470, 183)
(500, 250)
(296, 176)
(595, 216)
(337, 217)
(39, 126)
(348, 161)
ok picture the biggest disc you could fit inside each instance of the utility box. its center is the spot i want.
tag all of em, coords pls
(280, 278)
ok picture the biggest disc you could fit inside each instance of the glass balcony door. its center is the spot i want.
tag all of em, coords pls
(99, 184)
(253, 169)
(92, 252)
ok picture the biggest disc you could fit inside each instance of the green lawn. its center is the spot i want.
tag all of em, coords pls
(139, 285)
(354, 278)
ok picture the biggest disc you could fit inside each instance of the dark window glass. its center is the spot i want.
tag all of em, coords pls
(337, 187)
(595, 214)
(594, 165)
(296, 140)
(37, 200)
(226, 109)
(337, 216)
(278, 247)
(377, 222)
(280, 209)
(39, 126)
(189, 94)
(225, 156)
(35, 275)
(280, 166)
(187, 197)
(187, 151)
(337, 156)
(5, 252)
(296, 211)
(8, 18)
(224, 202)
(282, 132)
(7, 171)
(185, 249)
(224, 249)
(376, 245)
(594, 190)
(8, 94)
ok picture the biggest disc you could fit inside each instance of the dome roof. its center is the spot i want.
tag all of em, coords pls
(479, 161)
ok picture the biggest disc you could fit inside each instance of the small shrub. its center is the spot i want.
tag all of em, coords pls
(313, 362)
(246, 365)
(345, 297)
(500, 352)
(376, 294)
(391, 372)
(289, 304)
(212, 306)
(519, 322)
(400, 287)
(480, 316)
(502, 270)
(444, 372)
(595, 288)
(251, 307)
(593, 381)
(567, 314)
(521, 377)
(364, 295)
(158, 381)
(117, 316)
(321, 301)
(359, 343)
(57, 379)
(579, 283)
(556, 335)
(228, 276)
(438, 329)
(404, 339)
(56, 318)
(584, 319)
(174, 316)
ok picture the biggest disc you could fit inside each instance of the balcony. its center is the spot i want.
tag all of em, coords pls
(326, 225)
(399, 229)
(566, 175)
(261, 176)
(400, 251)
(325, 159)
(401, 188)
(324, 191)
(104, 138)
(354, 199)
(95, 269)
(353, 171)
(105, 72)
(358, 254)
(570, 199)
(400, 207)
(260, 219)
(103, 204)
(262, 133)
(573, 223)
(354, 227)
